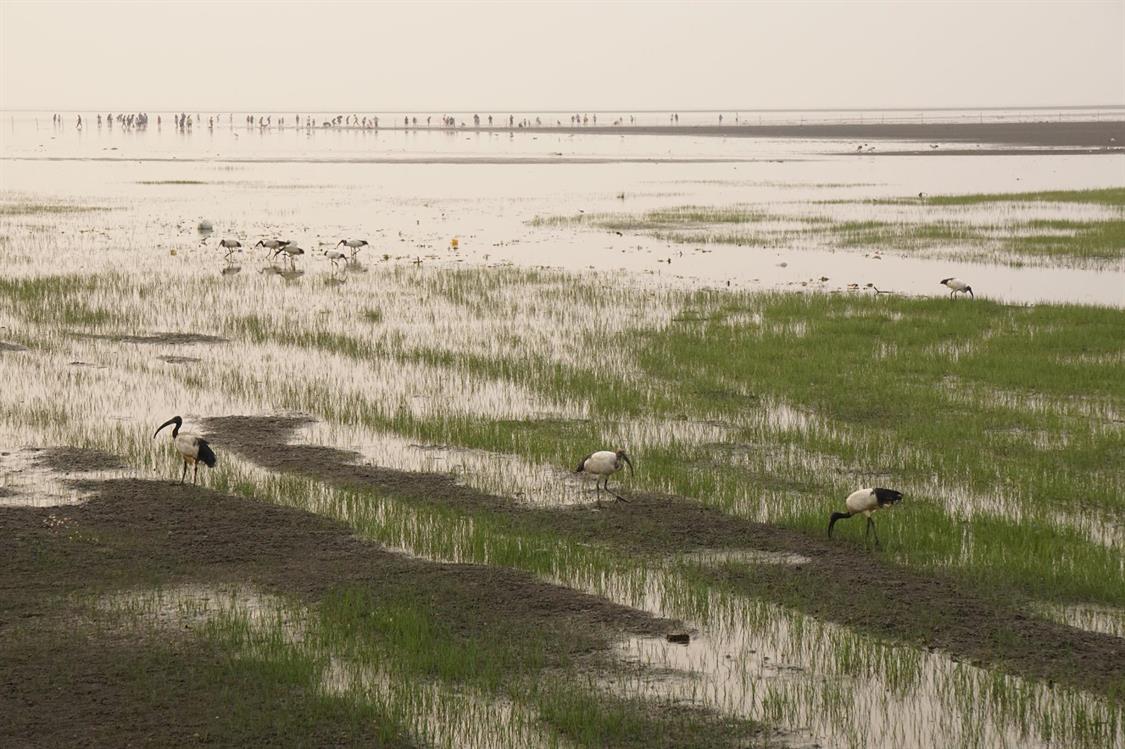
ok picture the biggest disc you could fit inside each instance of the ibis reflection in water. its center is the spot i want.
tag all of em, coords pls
(604, 464)
(194, 450)
(867, 502)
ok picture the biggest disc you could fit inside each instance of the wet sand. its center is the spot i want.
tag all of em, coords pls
(1075, 135)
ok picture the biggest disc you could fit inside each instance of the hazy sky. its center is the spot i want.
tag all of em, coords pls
(496, 56)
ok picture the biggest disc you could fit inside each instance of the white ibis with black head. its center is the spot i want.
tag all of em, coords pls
(272, 244)
(867, 502)
(335, 256)
(290, 251)
(231, 246)
(355, 245)
(604, 464)
(957, 285)
(192, 449)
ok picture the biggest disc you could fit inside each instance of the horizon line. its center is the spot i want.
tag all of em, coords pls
(339, 110)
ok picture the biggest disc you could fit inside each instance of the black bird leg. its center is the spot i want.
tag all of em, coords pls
(184, 474)
(619, 497)
(195, 473)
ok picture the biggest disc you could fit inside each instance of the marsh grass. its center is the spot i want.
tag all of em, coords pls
(45, 209)
(1111, 196)
(1095, 242)
(1002, 424)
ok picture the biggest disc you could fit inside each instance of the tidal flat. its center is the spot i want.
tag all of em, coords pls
(394, 549)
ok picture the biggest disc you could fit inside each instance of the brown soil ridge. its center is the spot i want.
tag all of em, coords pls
(930, 609)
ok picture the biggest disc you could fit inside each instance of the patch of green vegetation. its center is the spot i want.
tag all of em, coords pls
(186, 690)
(663, 218)
(505, 654)
(39, 209)
(1110, 196)
(1094, 242)
(59, 301)
(172, 182)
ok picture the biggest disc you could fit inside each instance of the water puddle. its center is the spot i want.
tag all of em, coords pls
(29, 479)
(718, 557)
(827, 684)
(1107, 620)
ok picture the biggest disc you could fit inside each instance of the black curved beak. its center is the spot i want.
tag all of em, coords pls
(628, 463)
(170, 422)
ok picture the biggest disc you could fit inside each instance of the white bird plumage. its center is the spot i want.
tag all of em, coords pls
(272, 244)
(957, 285)
(194, 450)
(866, 502)
(355, 245)
(604, 464)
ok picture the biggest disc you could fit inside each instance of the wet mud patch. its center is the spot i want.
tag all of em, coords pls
(78, 460)
(931, 610)
(6, 347)
(134, 534)
(179, 359)
(68, 687)
(172, 339)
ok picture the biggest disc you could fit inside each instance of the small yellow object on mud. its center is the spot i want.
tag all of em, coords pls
(453, 243)
(171, 252)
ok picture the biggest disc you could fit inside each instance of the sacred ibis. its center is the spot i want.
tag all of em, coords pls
(289, 250)
(335, 257)
(272, 244)
(355, 245)
(231, 246)
(604, 464)
(192, 449)
(955, 285)
(866, 501)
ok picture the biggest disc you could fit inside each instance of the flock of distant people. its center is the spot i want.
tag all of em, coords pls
(185, 121)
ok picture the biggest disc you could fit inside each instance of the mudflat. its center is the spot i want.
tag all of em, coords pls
(1092, 134)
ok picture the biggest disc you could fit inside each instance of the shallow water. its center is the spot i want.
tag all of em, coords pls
(105, 391)
(411, 192)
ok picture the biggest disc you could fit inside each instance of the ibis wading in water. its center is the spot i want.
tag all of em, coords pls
(289, 250)
(231, 246)
(272, 244)
(192, 449)
(604, 464)
(866, 501)
(355, 245)
(955, 285)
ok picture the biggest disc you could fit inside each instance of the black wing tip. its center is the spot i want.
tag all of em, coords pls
(887, 496)
(206, 454)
